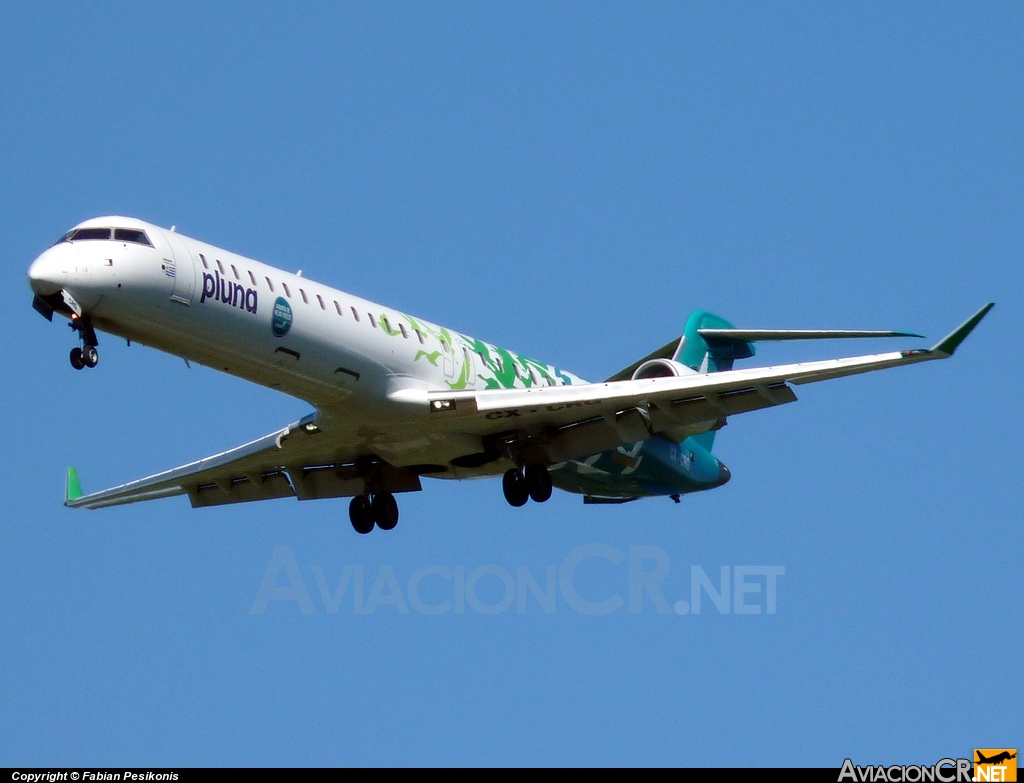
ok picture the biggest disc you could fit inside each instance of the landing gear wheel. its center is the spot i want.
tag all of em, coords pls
(360, 514)
(513, 484)
(385, 510)
(538, 482)
(90, 356)
(76, 358)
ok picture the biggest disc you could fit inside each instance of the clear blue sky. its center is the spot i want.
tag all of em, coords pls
(568, 180)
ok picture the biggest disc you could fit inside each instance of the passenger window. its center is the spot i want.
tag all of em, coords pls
(235, 270)
(252, 276)
(220, 266)
(422, 337)
(355, 314)
(203, 259)
(320, 299)
(385, 323)
(373, 321)
(304, 297)
(269, 284)
(337, 306)
(405, 334)
(287, 292)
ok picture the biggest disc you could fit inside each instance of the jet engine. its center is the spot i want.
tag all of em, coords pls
(661, 368)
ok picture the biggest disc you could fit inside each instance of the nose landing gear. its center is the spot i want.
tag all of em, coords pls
(87, 355)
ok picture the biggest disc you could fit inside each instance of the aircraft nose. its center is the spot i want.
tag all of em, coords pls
(724, 474)
(47, 275)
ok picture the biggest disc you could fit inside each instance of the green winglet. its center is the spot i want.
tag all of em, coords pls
(951, 342)
(73, 488)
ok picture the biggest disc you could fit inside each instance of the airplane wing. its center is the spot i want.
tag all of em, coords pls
(566, 422)
(301, 460)
(310, 459)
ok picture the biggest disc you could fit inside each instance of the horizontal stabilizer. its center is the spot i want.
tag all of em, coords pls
(754, 335)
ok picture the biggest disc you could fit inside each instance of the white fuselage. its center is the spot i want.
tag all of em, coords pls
(347, 356)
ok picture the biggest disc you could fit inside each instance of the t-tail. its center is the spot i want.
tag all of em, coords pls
(704, 353)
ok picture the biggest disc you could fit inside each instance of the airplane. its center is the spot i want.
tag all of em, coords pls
(398, 398)
(999, 758)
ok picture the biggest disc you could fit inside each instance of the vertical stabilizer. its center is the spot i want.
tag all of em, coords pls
(709, 355)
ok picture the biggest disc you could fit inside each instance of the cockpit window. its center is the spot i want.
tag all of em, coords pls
(132, 235)
(88, 233)
(119, 234)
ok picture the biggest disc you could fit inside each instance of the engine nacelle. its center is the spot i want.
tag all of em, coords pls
(661, 368)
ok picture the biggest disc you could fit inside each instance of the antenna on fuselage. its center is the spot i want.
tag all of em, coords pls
(174, 229)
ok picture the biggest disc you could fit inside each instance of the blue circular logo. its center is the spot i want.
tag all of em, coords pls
(281, 320)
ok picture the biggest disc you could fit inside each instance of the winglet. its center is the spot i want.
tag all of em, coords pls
(72, 488)
(951, 342)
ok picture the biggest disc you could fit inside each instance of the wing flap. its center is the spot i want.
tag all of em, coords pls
(240, 489)
(711, 406)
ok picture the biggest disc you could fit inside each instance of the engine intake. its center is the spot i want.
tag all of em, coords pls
(661, 368)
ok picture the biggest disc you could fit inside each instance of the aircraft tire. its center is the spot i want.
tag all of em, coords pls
(76, 358)
(360, 514)
(385, 510)
(90, 356)
(513, 484)
(538, 482)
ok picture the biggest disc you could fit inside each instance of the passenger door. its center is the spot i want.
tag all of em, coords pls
(182, 268)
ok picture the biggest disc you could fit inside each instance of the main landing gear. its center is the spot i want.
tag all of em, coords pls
(87, 355)
(521, 485)
(366, 511)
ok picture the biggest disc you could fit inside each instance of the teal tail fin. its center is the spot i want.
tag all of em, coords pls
(708, 354)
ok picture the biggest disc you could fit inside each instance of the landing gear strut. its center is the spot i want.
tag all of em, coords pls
(522, 485)
(366, 511)
(87, 355)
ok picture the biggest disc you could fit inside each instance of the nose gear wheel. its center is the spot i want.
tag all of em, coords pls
(86, 355)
